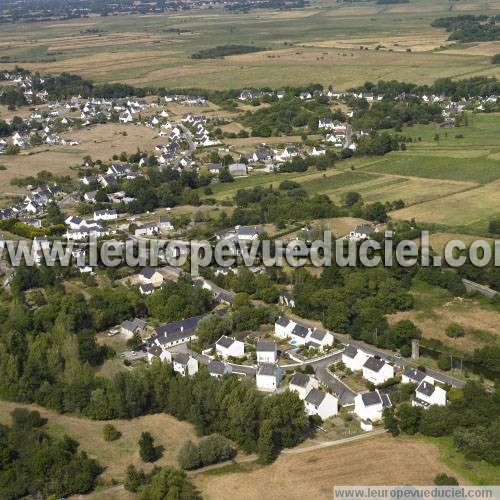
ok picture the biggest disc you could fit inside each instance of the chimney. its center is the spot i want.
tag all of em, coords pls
(182, 328)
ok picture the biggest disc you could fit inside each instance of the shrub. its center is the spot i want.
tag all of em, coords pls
(455, 330)
(445, 480)
(110, 432)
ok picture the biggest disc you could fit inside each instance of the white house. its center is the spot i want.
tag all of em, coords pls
(297, 334)
(184, 364)
(362, 232)
(321, 403)
(229, 347)
(370, 405)
(218, 369)
(320, 339)
(377, 371)
(165, 223)
(318, 151)
(415, 376)
(268, 377)
(150, 276)
(105, 215)
(156, 351)
(177, 332)
(74, 222)
(266, 352)
(302, 384)
(248, 233)
(428, 394)
(148, 229)
(354, 358)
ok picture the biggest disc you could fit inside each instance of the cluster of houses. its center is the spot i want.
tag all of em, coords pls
(79, 229)
(369, 406)
(201, 134)
(299, 335)
(34, 203)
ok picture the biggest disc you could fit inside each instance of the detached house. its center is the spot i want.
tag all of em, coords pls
(178, 332)
(415, 376)
(218, 369)
(248, 233)
(229, 347)
(184, 364)
(149, 229)
(268, 377)
(149, 276)
(321, 403)
(354, 358)
(130, 328)
(427, 394)
(266, 352)
(362, 232)
(377, 371)
(105, 214)
(370, 405)
(320, 339)
(302, 384)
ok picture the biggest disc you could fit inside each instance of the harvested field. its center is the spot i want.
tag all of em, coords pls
(380, 460)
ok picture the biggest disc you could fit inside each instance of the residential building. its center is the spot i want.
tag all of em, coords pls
(354, 358)
(302, 384)
(268, 377)
(218, 369)
(229, 347)
(150, 276)
(370, 405)
(427, 394)
(321, 403)
(377, 371)
(266, 352)
(184, 364)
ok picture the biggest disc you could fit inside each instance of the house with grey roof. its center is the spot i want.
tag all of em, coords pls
(415, 376)
(370, 405)
(354, 358)
(268, 377)
(319, 339)
(150, 276)
(428, 394)
(362, 232)
(130, 328)
(218, 369)
(320, 403)
(377, 371)
(227, 347)
(177, 332)
(302, 384)
(184, 364)
(267, 351)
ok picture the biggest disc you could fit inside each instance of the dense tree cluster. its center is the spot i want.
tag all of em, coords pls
(34, 464)
(470, 28)
(160, 483)
(356, 300)
(210, 450)
(286, 115)
(225, 50)
(472, 420)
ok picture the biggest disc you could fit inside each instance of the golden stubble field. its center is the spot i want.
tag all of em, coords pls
(101, 142)
(320, 43)
(375, 461)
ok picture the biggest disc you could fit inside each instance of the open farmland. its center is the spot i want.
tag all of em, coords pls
(100, 142)
(320, 43)
(436, 308)
(379, 460)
